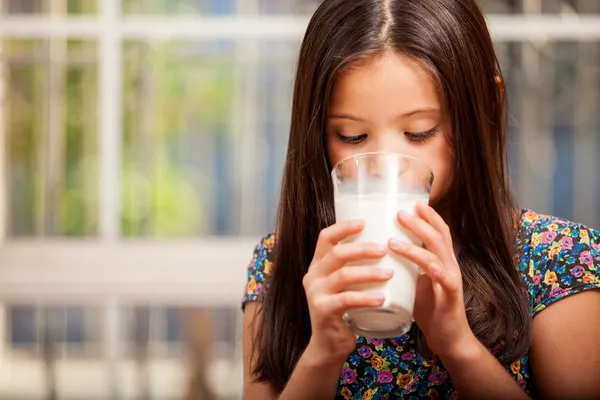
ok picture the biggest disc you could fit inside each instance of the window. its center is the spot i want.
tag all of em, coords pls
(178, 7)
(50, 119)
(178, 139)
(144, 143)
(71, 7)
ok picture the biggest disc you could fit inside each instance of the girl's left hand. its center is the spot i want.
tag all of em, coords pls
(439, 305)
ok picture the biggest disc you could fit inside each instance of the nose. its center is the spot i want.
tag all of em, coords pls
(391, 141)
(385, 165)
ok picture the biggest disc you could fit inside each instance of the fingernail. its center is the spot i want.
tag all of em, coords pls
(404, 215)
(387, 272)
(377, 298)
(396, 244)
(357, 224)
(380, 249)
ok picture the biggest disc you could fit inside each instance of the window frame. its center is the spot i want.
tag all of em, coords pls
(207, 271)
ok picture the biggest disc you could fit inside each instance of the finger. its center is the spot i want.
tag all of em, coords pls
(429, 262)
(348, 276)
(431, 216)
(334, 234)
(341, 302)
(431, 237)
(344, 253)
(437, 288)
(437, 222)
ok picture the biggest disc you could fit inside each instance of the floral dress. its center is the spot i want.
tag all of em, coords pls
(557, 259)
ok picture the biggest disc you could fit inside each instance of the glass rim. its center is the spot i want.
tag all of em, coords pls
(379, 153)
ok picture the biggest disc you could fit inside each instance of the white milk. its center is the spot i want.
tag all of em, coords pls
(379, 211)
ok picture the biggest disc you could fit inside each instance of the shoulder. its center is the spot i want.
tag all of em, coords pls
(263, 254)
(536, 223)
(557, 258)
(260, 269)
(545, 237)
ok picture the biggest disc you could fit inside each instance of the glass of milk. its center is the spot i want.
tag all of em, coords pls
(373, 187)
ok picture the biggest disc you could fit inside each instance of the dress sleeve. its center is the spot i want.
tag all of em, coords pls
(259, 271)
(568, 264)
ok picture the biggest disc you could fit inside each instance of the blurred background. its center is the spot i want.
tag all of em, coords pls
(141, 151)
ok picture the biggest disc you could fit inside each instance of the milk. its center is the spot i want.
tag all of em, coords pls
(379, 211)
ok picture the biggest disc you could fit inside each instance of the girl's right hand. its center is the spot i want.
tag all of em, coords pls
(325, 284)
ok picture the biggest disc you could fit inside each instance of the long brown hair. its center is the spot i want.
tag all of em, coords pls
(449, 38)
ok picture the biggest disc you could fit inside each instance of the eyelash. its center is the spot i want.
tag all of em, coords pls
(353, 140)
(417, 137)
(420, 137)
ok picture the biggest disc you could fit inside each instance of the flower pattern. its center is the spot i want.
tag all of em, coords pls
(555, 258)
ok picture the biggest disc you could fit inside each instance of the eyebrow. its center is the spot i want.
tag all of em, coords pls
(407, 114)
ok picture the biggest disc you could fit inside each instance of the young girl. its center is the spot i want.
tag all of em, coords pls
(418, 78)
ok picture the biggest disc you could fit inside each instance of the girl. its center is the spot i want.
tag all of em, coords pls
(418, 78)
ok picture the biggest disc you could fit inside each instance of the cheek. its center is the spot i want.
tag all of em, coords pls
(441, 165)
(441, 183)
(337, 151)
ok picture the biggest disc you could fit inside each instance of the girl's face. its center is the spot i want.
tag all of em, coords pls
(390, 104)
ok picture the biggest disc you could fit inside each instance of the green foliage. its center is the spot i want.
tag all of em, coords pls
(186, 98)
(176, 98)
(82, 6)
(159, 6)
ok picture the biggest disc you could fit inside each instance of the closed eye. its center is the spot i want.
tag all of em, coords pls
(420, 137)
(354, 140)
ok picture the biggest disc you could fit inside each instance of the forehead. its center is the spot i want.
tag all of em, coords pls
(386, 83)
